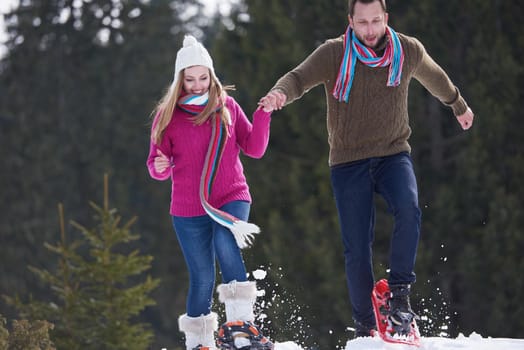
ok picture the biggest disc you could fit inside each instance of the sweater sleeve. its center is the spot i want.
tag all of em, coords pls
(251, 138)
(153, 153)
(313, 71)
(437, 82)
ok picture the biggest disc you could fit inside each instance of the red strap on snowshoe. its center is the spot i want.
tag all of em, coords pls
(231, 330)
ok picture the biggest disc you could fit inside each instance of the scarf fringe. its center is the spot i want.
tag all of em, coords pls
(244, 233)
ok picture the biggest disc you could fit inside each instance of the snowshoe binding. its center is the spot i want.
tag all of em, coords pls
(240, 335)
(396, 322)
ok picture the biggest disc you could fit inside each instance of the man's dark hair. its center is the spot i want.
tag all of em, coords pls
(351, 5)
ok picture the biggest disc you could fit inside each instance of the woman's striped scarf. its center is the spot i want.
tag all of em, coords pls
(242, 231)
(354, 49)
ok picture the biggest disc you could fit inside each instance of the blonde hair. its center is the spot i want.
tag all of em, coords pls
(163, 112)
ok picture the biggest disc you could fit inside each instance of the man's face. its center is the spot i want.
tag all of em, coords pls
(369, 23)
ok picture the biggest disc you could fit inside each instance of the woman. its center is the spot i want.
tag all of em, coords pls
(197, 135)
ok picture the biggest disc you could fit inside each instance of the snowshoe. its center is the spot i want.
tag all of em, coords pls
(396, 323)
(240, 335)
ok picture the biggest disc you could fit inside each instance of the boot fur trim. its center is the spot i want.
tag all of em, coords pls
(189, 324)
(237, 291)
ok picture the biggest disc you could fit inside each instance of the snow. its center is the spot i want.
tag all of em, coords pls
(472, 342)
(259, 274)
(289, 345)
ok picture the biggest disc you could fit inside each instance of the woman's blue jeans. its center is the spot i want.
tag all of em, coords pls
(203, 241)
(354, 185)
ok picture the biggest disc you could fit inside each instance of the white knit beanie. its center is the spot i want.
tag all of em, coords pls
(192, 53)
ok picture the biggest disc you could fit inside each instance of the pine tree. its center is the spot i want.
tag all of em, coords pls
(4, 334)
(25, 335)
(97, 286)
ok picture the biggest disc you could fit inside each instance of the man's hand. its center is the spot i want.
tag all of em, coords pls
(466, 120)
(273, 100)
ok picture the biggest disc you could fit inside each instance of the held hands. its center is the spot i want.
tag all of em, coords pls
(466, 120)
(272, 101)
(161, 162)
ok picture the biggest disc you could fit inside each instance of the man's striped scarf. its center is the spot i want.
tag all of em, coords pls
(242, 231)
(354, 49)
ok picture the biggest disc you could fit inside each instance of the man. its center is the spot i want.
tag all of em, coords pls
(366, 75)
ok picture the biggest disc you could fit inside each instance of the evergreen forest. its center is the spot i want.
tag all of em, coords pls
(78, 82)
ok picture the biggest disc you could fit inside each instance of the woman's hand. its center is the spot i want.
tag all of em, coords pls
(161, 162)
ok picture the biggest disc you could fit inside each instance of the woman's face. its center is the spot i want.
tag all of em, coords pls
(197, 80)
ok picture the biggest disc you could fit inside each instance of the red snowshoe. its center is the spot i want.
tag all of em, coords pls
(388, 331)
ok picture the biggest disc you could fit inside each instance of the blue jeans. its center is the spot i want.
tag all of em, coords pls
(203, 241)
(354, 185)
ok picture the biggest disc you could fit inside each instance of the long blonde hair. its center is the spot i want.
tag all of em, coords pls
(167, 104)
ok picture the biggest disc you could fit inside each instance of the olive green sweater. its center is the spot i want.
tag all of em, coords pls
(375, 122)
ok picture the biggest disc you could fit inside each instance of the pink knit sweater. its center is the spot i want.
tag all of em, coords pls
(186, 145)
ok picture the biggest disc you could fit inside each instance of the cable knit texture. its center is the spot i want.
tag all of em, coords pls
(375, 122)
(186, 145)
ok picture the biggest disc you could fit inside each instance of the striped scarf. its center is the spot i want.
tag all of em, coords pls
(354, 49)
(242, 231)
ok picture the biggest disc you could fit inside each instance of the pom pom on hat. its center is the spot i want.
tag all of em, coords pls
(192, 53)
(189, 40)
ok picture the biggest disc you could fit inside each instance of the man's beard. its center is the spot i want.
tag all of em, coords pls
(379, 42)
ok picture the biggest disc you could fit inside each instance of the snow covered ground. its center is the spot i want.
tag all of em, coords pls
(472, 342)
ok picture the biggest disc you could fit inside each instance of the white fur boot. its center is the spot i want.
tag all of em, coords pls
(239, 301)
(199, 331)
